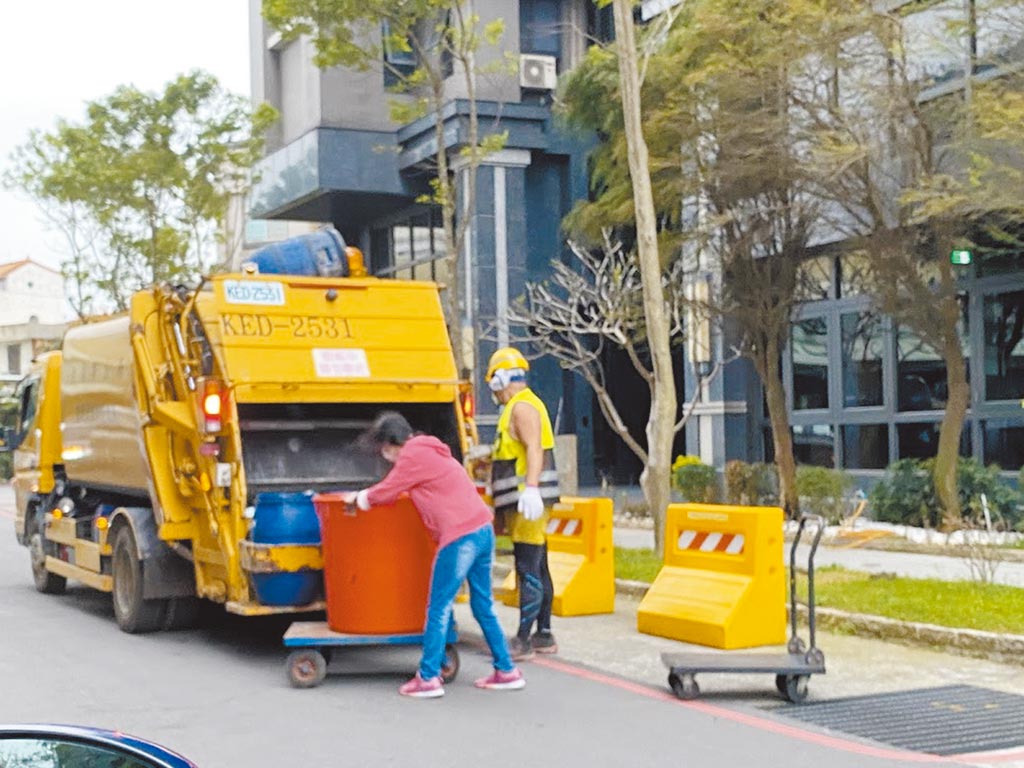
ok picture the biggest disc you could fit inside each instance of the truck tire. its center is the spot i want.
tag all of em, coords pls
(134, 614)
(183, 613)
(46, 582)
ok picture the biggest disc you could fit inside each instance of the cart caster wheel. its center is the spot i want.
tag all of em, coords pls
(306, 668)
(450, 670)
(795, 687)
(683, 686)
(780, 684)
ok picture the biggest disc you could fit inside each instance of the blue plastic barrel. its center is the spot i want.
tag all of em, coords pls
(286, 518)
(318, 254)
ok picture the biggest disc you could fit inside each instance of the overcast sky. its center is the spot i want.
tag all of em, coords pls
(59, 54)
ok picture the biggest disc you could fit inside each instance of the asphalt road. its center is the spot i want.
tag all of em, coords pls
(218, 694)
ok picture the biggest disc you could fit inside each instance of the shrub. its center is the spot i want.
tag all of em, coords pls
(974, 479)
(697, 481)
(906, 495)
(822, 491)
(751, 484)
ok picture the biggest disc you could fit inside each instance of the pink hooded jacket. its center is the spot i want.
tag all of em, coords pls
(439, 488)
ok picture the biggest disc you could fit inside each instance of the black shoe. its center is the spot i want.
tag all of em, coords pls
(521, 650)
(544, 642)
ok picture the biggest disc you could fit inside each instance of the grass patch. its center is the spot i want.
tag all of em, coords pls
(636, 564)
(959, 604)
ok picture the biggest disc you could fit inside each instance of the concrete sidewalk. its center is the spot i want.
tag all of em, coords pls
(855, 665)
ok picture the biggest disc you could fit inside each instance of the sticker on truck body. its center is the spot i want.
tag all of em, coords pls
(341, 363)
(254, 292)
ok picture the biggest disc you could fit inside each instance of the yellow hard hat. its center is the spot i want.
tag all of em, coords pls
(504, 359)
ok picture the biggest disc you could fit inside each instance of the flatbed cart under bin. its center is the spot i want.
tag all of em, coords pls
(792, 670)
(313, 641)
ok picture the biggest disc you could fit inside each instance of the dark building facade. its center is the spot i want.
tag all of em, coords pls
(862, 392)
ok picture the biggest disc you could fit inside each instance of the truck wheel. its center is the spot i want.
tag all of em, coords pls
(46, 582)
(134, 614)
(183, 613)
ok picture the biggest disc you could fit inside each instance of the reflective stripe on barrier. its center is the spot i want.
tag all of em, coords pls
(564, 526)
(581, 558)
(723, 581)
(729, 543)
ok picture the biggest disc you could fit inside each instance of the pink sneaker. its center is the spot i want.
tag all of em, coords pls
(423, 689)
(502, 681)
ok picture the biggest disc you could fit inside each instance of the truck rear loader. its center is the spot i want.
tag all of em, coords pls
(142, 446)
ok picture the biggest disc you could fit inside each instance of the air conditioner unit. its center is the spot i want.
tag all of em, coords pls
(538, 72)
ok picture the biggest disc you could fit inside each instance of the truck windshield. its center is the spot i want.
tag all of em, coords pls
(28, 396)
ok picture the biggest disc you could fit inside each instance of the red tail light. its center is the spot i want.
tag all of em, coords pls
(468, 403)
(213, 406)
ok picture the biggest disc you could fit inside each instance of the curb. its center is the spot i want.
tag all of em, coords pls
(961, 642)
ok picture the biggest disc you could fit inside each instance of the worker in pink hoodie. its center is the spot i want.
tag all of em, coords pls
(461, 524)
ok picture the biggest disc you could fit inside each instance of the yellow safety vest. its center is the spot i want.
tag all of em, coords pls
(508, 473)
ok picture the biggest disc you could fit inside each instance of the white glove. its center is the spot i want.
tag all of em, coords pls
(363, 500)
(531, 505)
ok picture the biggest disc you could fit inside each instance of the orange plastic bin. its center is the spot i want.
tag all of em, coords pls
(377, 567)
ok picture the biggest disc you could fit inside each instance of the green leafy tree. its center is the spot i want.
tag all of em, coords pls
(605, 94)
(141, 186)
(915, 176)
(727, 93)
(444, 38)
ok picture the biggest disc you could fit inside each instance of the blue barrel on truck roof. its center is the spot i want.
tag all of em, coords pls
(317, 254)
(287, 518)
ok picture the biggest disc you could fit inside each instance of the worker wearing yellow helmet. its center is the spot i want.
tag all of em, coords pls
(524, 484)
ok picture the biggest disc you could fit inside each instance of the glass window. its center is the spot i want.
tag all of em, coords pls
(1004, 443)
(920, 373)
(380, 250)
(401, 245)
(814, 279)
(600, 23)
(1004, 352)
(399, 58)
(863, 342)
(810, 364)
(854, 274)
(865, 446)
(813, 444)
(540, 27)
(921, 441)
(14, 359)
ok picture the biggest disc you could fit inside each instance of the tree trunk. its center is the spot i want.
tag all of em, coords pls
(948, 454)
(782, 438)
(661, 423)
(446, 195)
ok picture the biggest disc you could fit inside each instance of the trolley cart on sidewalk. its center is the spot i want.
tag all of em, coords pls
(792, 670)
(313, 642)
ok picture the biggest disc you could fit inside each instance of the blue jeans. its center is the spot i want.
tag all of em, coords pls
(465, 559)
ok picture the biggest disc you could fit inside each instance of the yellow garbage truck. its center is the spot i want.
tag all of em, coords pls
(144, 445)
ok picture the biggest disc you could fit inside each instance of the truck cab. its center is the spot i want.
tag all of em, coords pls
(35, 439)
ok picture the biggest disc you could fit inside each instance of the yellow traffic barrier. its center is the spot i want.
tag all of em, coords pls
(723, 583)
(581, 557)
